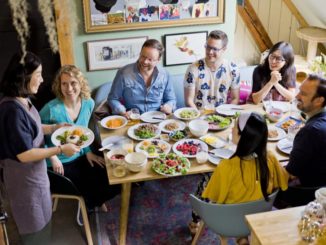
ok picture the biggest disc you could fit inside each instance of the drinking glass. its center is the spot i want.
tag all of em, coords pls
(202, 156)
(209, 108)
(134, 115)
(292, 131)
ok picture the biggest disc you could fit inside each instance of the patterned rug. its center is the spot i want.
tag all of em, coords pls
(159, 214)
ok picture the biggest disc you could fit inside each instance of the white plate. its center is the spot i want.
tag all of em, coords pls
(214, 159)
(228, 109)
(223, 153)
(285, 146)
(216, 141)
(282, 105)
(131, 132)
(151, 116)
(202, 144)
(86, 131)
(178, 112)
(116, 141)
(280, 133)
(152, 142)
(181, 125)
(105, 119)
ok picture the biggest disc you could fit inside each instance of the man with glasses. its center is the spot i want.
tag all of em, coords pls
(143, 85)
(308, 156)
(208, 80)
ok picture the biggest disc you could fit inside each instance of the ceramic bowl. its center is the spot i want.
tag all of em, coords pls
(116, 156)
(274, 114)
(136, 161)
(198, 127)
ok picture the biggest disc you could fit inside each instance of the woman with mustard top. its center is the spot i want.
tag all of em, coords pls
(251, 173)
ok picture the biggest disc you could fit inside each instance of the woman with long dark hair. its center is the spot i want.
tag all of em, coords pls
(251, 173)
(275, 78)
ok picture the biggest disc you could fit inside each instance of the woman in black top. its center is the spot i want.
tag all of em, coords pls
(275, 78)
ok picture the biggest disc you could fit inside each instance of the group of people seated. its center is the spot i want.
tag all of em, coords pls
(250, 174)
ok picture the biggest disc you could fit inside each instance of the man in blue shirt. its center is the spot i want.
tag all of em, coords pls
(143, 85)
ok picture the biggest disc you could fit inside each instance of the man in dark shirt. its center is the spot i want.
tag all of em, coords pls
(307, 162)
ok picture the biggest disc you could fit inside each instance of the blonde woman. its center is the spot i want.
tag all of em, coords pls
(73, 105)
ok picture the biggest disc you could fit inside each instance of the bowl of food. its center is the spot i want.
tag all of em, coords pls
(114, 122)
(136, 161)
(178, 135)
(116, 156)
(274, 114)
(198, 127)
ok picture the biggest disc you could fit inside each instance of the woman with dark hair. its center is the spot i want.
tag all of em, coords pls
(250, 174)
(21, 139)
(275, 78)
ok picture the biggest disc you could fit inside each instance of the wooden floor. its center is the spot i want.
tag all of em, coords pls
(64, 228)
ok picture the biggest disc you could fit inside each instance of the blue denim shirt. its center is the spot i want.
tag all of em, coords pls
(129, 90)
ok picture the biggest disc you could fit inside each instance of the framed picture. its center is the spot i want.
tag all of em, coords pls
(113, 53)
(184, 48)
(119, 15)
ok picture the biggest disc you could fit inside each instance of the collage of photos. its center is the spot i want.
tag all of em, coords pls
(133, 11)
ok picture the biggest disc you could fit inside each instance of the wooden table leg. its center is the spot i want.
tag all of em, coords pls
(125, 197)
(253, 239)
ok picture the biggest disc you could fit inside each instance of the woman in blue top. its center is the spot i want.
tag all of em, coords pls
(73, 105)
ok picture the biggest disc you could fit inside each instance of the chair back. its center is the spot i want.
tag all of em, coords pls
(60, 184)
(228, 220)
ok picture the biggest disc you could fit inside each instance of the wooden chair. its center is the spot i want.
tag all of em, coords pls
(228, 220)
(62, 187)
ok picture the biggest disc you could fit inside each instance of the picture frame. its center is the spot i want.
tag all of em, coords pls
(123, 15)
(113, 53)
(184, 48)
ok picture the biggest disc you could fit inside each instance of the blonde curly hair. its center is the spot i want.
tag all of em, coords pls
(73, 71)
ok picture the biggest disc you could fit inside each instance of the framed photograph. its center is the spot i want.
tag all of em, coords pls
(119, 15)
(113, 53)
(184, 48)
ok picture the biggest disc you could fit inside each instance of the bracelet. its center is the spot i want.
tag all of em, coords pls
(60, 149)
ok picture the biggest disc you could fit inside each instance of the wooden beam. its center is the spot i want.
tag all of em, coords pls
(255, 26)
(64, 32)
(301, 20)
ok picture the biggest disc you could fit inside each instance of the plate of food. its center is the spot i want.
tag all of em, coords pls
(171, 125)
(275, 133)
(178, 135)
(114, 122)
(217, 122)
(153, 116)
(285, 146)
(288, 122)
(171, 164)
(189, 147)
(186, 113)
(143, 131)
(77, 135)
(213, 140)
(229, 109)
(153, 148)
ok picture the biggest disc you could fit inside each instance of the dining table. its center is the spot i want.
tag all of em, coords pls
(148, 174)
(279, 227)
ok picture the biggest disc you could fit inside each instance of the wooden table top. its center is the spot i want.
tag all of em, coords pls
(149, 174)
(278, 227)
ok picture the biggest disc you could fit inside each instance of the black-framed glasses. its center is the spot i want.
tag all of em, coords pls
(209, 48)
(278, 59)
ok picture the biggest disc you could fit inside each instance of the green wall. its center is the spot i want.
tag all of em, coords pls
(97, 78)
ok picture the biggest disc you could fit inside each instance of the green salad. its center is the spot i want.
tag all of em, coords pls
(171, 164)
(218, 122)
(146, 131)
(188, 113)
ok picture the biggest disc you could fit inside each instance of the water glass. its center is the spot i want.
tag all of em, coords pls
(128, 146)
(209, 108)
(292, 131)
(134, 114)
(201, 157)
